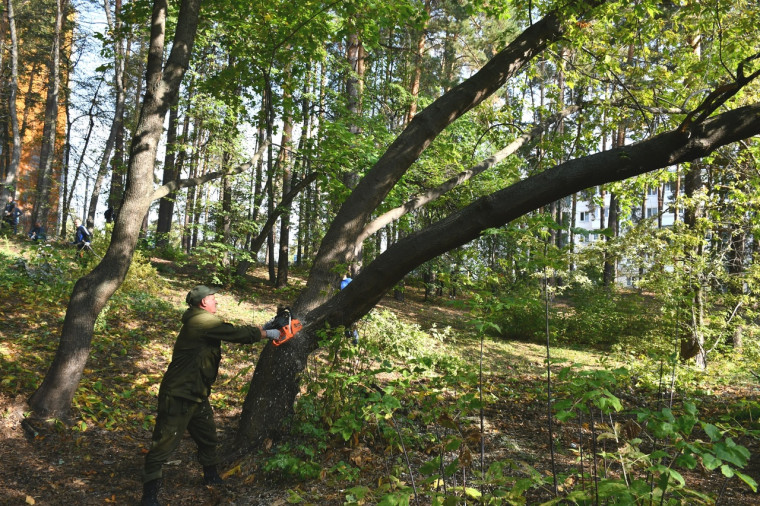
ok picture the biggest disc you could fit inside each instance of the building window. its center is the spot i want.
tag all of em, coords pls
(651, 212)
(586, 216)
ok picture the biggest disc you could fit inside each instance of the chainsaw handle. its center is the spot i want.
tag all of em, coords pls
(288, 332)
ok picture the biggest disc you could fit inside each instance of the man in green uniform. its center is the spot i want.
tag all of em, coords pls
(183, 396)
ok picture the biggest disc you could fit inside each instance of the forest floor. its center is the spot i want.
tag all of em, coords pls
(98, 460)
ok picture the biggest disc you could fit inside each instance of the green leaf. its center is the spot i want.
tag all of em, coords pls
(687, 461)
(431, 466)
(710, 462)
(748, 480)
(731, 452)
(712, 431)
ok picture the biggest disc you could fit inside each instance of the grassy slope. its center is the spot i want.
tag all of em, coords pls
(99, 460)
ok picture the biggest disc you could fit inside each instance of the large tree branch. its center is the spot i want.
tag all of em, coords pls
(501, 207)
(163, 191)
(434, 193)
(337, 245)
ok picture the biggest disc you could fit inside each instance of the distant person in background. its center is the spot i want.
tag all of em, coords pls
(36, 233)
(16, 217)
(82, 236)
(350, 332)
(9, 211)
(109, 215)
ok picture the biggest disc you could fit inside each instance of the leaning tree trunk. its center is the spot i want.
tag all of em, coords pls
(91, 292)
(271, 398)
(337, 246)
(276, 379)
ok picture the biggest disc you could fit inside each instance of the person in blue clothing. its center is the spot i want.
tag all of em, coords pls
(350, 332)
(36, 233)
(82, 236)
(17, 212)
(11, 214)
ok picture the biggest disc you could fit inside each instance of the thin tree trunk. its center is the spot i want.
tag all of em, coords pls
(692, 344)
(660, 203)
(414, 90)
(166, 204)
(41, 210)
(284, 164)
(610, 261)
(9, 185)
(356, 56)
(70, 195)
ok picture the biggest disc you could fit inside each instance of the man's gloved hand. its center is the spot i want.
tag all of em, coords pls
(281, 319)
(272, 334)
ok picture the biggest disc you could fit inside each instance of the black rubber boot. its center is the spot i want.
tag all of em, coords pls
(150, 493)
(211, 476)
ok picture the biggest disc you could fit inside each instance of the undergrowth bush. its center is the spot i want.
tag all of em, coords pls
(397, 339)
(602, 317)
(521, 315)
(142, 276)
(213, 261)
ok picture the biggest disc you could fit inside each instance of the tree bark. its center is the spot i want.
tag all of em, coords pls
(91, 292)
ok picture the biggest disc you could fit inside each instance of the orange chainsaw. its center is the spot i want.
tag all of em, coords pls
(285, 323)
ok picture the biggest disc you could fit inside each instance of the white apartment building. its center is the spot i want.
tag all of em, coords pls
(588, 216)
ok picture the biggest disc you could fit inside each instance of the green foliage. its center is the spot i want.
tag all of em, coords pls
(297, 463)
(142, 276)
(603, 317)
(393, 337)
(212, 259)
(649, 445)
